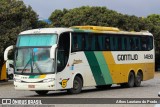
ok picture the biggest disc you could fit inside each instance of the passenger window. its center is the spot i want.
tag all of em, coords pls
(124, 43)
(132, 45)
(144, 43)
(74, 43)
(100, 42)
(89, 42)
(150, 43)
(137, 43)
(77, 42)
(134, 42)
(107, 43)
(112, 43)
(119, 43)
(93, 42)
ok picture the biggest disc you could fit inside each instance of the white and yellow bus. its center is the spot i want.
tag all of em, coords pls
(51, 59)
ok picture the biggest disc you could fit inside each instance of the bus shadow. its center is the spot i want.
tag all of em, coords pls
(90, 90)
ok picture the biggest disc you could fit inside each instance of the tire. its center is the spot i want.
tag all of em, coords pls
(104, 86)
(77, 86)
(130, 83)
(131, 79)
(138, 79)
(41, 92)
(10, 76)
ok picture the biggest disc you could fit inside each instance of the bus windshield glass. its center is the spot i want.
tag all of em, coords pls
(36, 40)
(33, 60)
(33, 54)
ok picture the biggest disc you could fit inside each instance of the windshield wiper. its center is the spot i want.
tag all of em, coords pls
(26, 64)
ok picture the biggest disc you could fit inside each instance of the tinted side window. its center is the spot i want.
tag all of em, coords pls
(147, 43)
(90, 42)
(150, 43)
(110, 42)
(77, 42)
(106, 43)
(143, 43)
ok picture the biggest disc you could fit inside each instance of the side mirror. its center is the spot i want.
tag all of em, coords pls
(7, 51)
(52, 51)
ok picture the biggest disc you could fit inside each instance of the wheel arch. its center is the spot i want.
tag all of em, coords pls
(79, 75)
(130, 80)
(77, 85)
(133, 72)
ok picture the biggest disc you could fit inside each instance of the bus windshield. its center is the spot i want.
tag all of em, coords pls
(33, 54)
(33, 60)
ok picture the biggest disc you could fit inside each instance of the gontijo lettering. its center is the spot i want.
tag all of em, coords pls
(127, 57)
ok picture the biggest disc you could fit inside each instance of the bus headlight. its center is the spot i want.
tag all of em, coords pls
(49, 80)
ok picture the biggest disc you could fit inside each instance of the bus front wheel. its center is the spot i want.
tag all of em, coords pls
(77, 86)
(41, 92)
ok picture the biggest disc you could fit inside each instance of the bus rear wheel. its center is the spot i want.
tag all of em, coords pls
(138, 79)
(41, 92)
(77, 86)
(131, 80)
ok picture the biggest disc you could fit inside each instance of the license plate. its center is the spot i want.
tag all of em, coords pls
(31, 86)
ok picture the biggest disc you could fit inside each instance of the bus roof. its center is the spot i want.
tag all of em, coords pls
(96, 29)
(46, 30)
(112, 30)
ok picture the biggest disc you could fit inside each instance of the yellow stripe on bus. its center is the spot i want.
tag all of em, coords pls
(42, 76)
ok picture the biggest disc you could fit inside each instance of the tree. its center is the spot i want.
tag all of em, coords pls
(154, 18)
(14, 18)
(56, 17)
(100, 16)
(84, 15)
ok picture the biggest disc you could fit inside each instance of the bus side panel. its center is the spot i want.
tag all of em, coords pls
(77, 64)
(99, 67)
(104, 67)
(150, 70)
(118, 73)
(120, 67)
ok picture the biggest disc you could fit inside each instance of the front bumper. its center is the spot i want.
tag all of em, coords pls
(34, 86)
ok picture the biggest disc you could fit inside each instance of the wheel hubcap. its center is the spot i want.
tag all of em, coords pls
(139, 78)
(76, 85)
(131, 80)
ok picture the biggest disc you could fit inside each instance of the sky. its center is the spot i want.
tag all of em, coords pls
(140, 8)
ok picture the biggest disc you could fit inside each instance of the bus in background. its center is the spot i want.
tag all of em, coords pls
(9, 69)
(71, 58)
